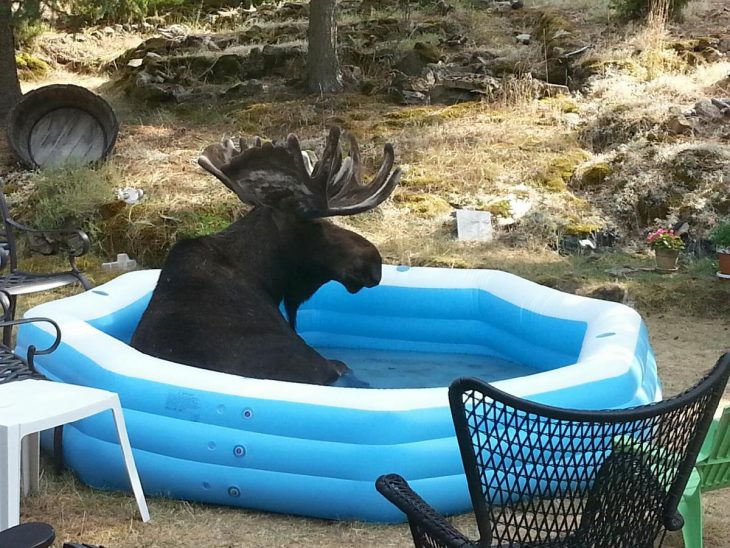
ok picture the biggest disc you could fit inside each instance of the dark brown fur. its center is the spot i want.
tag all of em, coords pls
(216, 304)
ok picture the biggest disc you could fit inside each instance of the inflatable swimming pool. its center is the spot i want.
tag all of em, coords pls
(317, 450)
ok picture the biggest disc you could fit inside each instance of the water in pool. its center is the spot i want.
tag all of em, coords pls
(406, 369)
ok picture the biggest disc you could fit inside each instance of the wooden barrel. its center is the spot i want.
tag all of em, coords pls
(58, 124)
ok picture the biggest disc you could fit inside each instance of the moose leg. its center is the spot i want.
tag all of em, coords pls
(347, 377)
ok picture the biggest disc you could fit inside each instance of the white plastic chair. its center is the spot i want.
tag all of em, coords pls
(30, 405)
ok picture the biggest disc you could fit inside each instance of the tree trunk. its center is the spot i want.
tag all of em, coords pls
(9, 85)
(323, 68)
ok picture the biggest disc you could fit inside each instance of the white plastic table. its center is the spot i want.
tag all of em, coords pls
(30, 406)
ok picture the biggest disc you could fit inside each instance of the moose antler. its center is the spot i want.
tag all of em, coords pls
(276, 176)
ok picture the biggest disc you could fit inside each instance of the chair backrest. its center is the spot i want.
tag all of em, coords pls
(540, 474)
(714, 462)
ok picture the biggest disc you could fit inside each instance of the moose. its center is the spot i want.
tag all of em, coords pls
(217, 301)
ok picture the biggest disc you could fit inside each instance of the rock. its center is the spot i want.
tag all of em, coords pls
(517, 207)
(351, 75)
(107, 31)
(677, 124)
(443, 7)
(135, 63)
(80, 37)
(155, 20)
(707, 110)
(118, 28)
(151, 87)
(591, 176)
(561, 169)
(516, 4)
(225, 68)
(567, 283)
(572, 119)
(523, 39)
(415, 61)
(249, 88)
(413, 97)
(620, 271)
(610, 292)
(174, 31)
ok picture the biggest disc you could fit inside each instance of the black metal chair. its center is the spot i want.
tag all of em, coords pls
(546, 477)
(16, 282)
(34, 535)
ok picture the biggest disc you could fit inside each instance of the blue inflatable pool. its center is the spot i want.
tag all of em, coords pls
(317, 450)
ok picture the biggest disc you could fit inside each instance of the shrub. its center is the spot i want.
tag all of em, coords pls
(720, 236)
(71, 196)
(633, 10)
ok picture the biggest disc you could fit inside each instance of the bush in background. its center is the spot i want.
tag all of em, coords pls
(635, 10)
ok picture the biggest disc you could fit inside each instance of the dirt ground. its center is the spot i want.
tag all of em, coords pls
(685, 349)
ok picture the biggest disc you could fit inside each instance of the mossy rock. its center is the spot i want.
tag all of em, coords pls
(581, 229)
(225, 69)
(695, 166)
(561, 102)
(500, 208)
(657, 204)
(559, 171)
(31, 67)
(591, 176)
(423, 205)
(552, 28)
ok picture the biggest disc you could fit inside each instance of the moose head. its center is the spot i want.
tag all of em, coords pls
(280, 178)
(217, 301)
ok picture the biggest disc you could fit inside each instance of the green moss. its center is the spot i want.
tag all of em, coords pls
(31, 67)
(561, 102)
(502, 208)
(558, 172)
(580, 229)
(428, 116)
(592, 176)
(423, 205)
(420, 182)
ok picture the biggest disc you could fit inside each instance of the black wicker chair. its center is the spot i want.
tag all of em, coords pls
(16, 282)
(546, 477)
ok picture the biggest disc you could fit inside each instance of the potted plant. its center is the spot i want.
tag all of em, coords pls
(720, 236)
(666, 245)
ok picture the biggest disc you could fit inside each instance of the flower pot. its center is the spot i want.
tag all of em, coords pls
(666, 259)
(724, 264)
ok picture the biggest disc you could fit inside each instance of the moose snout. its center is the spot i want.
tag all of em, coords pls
(355, 280)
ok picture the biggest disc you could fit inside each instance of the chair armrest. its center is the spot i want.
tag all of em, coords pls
(32, 350)
(421, 516)
(80, 234)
